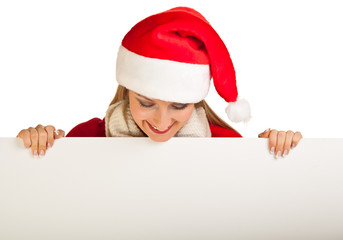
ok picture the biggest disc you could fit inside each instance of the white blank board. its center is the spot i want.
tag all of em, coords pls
(186, 188)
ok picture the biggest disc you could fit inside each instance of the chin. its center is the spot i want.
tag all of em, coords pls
(160, 139)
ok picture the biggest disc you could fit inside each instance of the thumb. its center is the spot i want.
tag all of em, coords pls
(264, 134)
(59, 134)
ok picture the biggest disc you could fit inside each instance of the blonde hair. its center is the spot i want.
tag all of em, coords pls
(212, 117)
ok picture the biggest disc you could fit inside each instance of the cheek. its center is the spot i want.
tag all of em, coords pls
(184, 115)
(138, 113)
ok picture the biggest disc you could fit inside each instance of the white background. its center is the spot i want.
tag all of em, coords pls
(57, 60)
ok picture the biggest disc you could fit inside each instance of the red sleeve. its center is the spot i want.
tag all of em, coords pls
(218, 131)
(92, 128)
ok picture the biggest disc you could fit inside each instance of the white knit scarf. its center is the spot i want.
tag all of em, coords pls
(119, 123)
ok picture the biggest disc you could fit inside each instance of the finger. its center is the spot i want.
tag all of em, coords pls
(50, 131)
(42, 139)
(25, 136)
(281, 137)
(288, 143)
(34, 141)
(264, 134)
(296, 138)
(59, 134)
(272, 140)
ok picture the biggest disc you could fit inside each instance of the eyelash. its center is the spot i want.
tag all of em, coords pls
(149, 106)
(146, 106)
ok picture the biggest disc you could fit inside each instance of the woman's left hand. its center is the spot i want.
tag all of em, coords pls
(281, 142)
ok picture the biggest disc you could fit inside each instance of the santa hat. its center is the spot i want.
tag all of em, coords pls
(172, 56)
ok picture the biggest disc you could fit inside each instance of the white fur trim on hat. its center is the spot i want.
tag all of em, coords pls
(162, 79)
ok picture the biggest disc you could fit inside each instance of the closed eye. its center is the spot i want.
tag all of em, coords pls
(146, 105)
(179, 106)
(176, 106)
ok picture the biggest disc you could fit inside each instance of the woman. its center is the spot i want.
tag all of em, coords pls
(164, 68)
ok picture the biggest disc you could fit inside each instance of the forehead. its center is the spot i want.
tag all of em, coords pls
(151, 99)
(145, 97)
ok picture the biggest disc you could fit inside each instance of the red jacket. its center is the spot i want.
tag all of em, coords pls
(96, 128)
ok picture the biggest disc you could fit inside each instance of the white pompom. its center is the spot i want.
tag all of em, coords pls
(238, 111)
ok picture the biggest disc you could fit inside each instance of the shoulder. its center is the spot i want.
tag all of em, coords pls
(218, 131)
(94, 127)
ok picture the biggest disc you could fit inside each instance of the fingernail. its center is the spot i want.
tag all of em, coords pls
(35, 153)
(49, 146)
(293, 145)
(285, 153)
(57, 132)
(272, 150)
(278, 154)
(266, 130)
(41, 153)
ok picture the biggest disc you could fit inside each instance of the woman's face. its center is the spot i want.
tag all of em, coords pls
(158, 119)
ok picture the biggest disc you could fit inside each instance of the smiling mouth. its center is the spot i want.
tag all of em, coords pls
(157, 131)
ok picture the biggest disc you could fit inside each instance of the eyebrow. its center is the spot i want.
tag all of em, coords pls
(144, 97)
(153, 100)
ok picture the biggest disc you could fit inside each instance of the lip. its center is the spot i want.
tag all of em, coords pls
(159, 132)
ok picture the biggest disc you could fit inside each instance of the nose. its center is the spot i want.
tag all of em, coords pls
(162, 119)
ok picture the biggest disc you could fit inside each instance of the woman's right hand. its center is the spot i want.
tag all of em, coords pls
(40, 138)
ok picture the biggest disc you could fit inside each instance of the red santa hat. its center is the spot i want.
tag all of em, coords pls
(173, 55)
